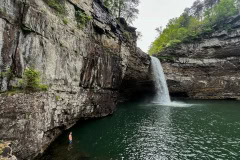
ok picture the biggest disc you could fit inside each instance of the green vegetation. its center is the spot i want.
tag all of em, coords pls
(7, 74)
(198, 20)
(58, 98)
(58, 5)
(82, 18)
(3, 11)
(42, 10)
(127, 35)
(65, 20)
(123, 8)
(166, 58)
(31, 81)
(1, 148)
(14, 91)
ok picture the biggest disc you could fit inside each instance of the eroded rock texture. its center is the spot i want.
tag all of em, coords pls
(138, 83)
(83, 67)
(207, 68)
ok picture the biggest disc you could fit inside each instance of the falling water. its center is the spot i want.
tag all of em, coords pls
(162, 94)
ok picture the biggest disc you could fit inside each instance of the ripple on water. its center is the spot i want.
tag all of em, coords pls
(195, 130)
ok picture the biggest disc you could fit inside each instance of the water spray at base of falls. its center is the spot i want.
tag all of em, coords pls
(162, 93)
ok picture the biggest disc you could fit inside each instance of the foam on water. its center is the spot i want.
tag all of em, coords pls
(162, 96)
(139, 131)
(174, 104)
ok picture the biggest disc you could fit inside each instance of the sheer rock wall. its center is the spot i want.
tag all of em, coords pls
(207, 68)
(83, 67)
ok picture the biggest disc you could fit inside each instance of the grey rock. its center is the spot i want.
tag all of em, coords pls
(138, 82)
(207, 68)
(84, 69)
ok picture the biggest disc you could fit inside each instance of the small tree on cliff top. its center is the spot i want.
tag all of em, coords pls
(123, 8)
(31, 81)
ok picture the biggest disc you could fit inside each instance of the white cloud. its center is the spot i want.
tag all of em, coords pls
(156, 13)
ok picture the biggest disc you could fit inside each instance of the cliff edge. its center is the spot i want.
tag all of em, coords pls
(206, 68)
(83, 54)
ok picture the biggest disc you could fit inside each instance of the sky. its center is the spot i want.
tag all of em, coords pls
(156, 13)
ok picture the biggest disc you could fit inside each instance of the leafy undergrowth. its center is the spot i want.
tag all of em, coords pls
(59, 6)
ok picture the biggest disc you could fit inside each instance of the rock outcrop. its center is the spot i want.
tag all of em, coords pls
(138, 82)
(84, 66)
(207, 68)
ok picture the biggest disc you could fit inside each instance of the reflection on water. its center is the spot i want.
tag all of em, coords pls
(151, 133)
(180, 131)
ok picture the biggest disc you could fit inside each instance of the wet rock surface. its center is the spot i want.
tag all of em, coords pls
(138, 83)
(207, 68)
(83, 67)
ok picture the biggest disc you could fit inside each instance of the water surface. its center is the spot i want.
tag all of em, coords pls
(197, 130)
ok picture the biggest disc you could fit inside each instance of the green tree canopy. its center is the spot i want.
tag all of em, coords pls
(123, 8)
(198, 19)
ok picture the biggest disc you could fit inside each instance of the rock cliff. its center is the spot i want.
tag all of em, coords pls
(138, 81)
(207, 68)
(83, 61)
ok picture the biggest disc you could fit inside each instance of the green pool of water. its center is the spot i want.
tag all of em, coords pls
(197, 130)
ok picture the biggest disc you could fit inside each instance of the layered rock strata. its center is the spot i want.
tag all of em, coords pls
(83, 65)
(138, 83)
(207, 68)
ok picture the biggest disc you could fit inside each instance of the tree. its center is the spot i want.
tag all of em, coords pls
(123, 8)
(238, 6)
(210, 3)
(107, 3)
(159, 30)
(224, 9)
(184, 19)
(197, 8)
(195, 21)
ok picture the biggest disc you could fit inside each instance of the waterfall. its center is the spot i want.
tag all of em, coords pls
(162, 94)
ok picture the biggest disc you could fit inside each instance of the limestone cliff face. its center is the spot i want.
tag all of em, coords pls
(207, 68)
(83, 67)
(138, 80)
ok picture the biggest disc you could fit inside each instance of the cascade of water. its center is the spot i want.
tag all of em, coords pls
(162, 94)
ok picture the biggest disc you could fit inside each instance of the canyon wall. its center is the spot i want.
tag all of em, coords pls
(84, 66)
(206, 68)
